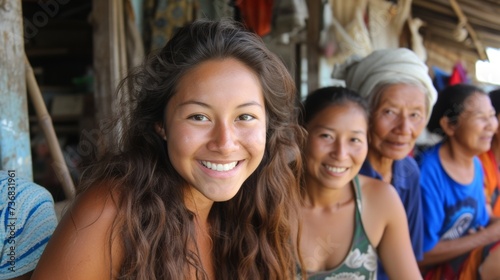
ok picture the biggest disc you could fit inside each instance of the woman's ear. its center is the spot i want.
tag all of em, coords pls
(447, 126)
(161, 131)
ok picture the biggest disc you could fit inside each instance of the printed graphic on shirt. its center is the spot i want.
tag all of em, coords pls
(459, 219)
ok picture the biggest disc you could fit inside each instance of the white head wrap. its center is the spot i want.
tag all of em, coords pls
(363, 75)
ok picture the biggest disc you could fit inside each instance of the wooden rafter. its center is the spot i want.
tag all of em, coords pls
(481, 16)
(472, 33)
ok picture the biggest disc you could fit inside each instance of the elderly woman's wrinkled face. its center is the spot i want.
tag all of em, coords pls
(397, 121)
(497, 133)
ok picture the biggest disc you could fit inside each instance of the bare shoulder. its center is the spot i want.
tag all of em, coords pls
(85, 244)
(97, 206)
(376, 190)
(380, 199)
(381, 207)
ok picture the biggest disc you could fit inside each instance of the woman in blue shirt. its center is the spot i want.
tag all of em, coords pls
(457, 228)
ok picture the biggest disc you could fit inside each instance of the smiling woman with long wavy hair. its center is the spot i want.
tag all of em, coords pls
(205, 182)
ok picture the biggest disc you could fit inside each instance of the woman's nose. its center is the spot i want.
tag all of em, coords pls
(224, 138)
(339, 150)
(404, 125)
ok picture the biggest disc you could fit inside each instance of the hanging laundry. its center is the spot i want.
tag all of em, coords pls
(441, 78)
(216, 9)
(385, 22)
(345, 33)
(257, 15)
(358, 27)
(351, 40)
(417, 41)
(458, 75)
(133, 40)
(289, 17)
(163, 17)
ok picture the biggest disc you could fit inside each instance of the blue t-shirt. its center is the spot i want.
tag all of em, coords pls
(27, 220)
(450, 209)
(405, 179)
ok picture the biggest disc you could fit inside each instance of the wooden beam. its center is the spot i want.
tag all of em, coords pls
(442, 11)
(297, 70)
(15, 149)
(433, 6)
(109, 63)
(478, 16)
(472, 33)
(315, 9)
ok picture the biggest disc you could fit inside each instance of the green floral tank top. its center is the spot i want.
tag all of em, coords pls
(361, 261)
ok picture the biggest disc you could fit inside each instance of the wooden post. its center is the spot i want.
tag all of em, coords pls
(314, 23)
(15, 151)
(298, 68)
(109, 62)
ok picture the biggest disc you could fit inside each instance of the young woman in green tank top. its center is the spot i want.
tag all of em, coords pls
(349, 221)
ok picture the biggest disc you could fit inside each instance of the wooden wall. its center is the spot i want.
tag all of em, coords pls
(446, 58)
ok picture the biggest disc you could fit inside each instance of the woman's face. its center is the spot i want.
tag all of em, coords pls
(497, 133)
(397, 121)
(476, 125)
(336, 145)
(215, 127)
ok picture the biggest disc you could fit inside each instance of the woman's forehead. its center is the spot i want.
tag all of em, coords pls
(477, 102)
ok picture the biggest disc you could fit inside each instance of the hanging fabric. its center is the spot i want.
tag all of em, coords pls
(359, 27)
(441, 78)
(417, 41)
(256, 14)
(133, 40)
(458, 75)
(345, 31)
(216, 9)
(289, 17)
(163, 17)
(385, 22)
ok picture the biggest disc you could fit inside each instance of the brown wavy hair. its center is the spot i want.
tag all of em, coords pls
(254, 233)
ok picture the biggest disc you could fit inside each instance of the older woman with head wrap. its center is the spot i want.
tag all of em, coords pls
(401, 95)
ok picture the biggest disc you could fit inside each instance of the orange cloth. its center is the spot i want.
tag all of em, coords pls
(257, 15)
(491, 181)
(464, 267)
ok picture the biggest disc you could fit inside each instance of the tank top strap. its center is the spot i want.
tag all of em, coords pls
(357, 192)
(361, 260)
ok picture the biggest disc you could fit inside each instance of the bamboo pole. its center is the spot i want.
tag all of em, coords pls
(45, 122)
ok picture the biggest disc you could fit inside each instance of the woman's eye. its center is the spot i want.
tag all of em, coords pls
(325, 136)
(199, 117)
(356, 140)
(245, 117)
(415, 115)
